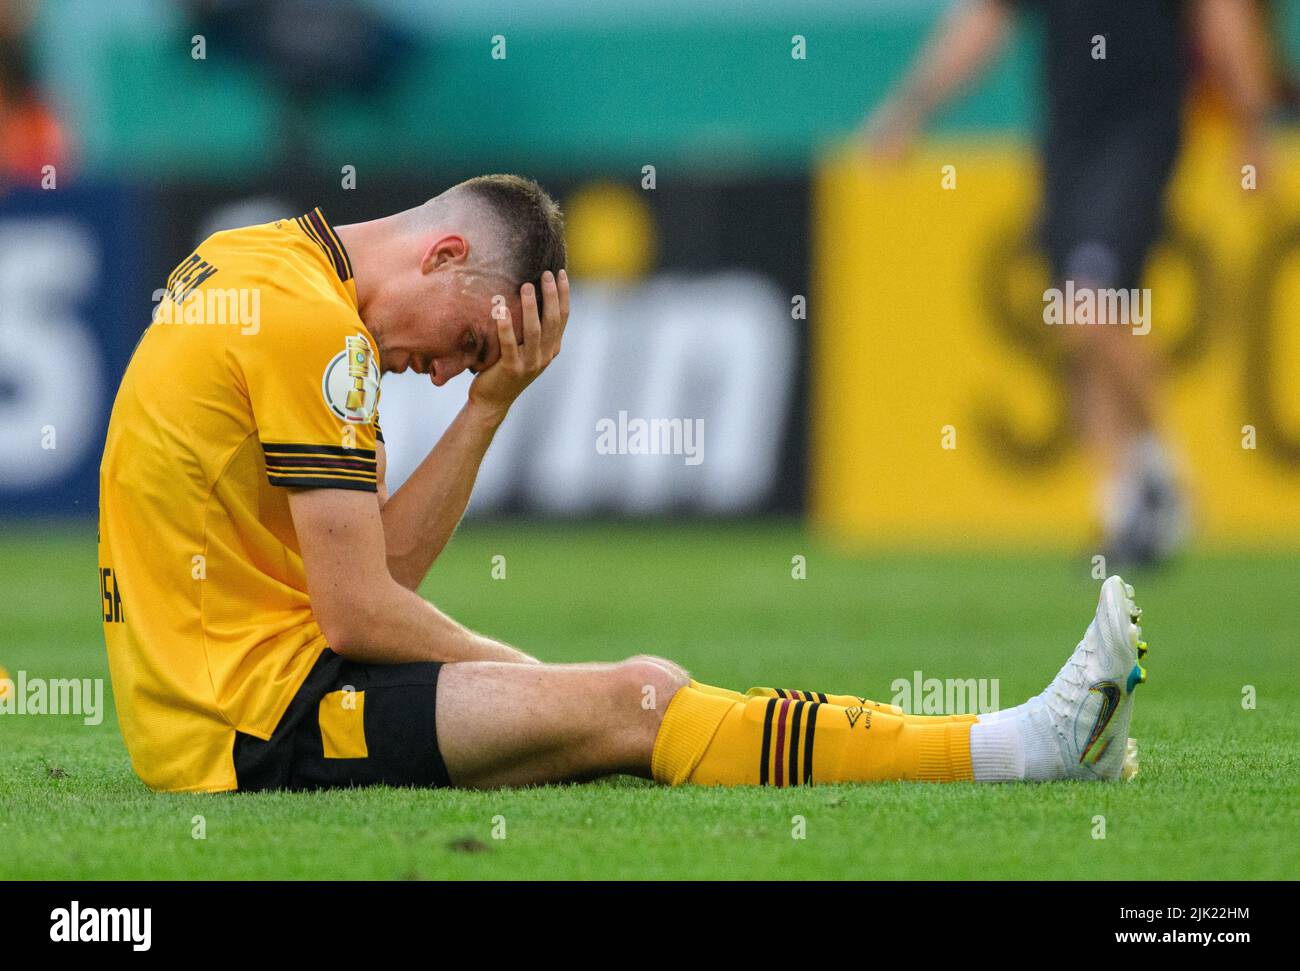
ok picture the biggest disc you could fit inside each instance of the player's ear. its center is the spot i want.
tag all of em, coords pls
(450, 248)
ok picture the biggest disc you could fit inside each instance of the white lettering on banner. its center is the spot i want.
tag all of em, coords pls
(51, 364)
(719, 348)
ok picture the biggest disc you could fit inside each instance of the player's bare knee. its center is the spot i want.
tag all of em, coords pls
(672, 666)
(650, 683)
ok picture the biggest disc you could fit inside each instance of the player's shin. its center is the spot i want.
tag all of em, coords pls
(845, 701)
(707, 739)
(852, 701)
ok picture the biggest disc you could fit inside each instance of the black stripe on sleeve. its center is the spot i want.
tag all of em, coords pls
(295, 448)
(313, 482)
(297, 465)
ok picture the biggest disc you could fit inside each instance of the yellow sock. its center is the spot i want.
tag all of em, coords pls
(710, 739)
(709, 689)
(849, 701)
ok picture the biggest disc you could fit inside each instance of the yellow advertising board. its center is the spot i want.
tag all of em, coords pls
(939, 400)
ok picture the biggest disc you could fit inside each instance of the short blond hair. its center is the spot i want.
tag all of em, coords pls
(533, 222)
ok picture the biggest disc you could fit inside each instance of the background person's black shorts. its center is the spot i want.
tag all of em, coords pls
(351, 724)
(1104, 199)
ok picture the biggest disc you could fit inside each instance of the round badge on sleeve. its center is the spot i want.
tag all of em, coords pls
(351, 382)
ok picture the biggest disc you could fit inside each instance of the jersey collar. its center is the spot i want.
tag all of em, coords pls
(319, 231)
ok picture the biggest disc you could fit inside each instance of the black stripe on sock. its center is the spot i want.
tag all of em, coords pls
(821, 696)
(808, 743)
(780, 692)
(793, 777)
(767, 741)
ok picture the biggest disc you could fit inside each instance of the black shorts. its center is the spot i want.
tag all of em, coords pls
(350, 724)
(1104, 200)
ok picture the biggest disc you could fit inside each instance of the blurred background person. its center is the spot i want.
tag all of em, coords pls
(1116, 77)
(311, 50)
(31, 135)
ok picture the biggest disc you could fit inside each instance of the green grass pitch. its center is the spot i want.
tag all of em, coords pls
(1217, 796)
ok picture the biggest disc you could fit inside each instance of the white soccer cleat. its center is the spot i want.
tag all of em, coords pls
(1090, 701)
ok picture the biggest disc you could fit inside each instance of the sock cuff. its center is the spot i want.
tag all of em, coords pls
(688, 726)
(943, 752)
(709, 689)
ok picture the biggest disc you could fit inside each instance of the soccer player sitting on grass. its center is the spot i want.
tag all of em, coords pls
(260, 613)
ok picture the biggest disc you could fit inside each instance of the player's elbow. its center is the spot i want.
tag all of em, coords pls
(348, 626)
(341, 637)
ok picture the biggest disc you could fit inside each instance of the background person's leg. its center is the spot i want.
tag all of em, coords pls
(1114, 378)
(1104, 211)
(1113, 382)
(530, 724)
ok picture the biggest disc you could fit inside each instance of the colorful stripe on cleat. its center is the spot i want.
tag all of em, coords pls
(1135, 677)
(1110, 697)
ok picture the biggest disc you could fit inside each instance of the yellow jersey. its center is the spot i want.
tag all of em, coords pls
(256, 375)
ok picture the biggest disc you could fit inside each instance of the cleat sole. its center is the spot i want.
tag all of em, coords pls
(1129, 770)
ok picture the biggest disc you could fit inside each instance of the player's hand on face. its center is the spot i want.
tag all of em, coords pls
(521, 362)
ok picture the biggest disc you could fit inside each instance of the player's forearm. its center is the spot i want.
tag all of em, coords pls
(1235, 44)
(420, 517)
(965, 41)
(396, 626)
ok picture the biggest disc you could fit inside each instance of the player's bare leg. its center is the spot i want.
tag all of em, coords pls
(1113, 376)
(509, 724)
(1113, 379)
(503, 724)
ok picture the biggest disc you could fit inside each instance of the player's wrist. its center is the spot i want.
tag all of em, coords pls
(488, 414)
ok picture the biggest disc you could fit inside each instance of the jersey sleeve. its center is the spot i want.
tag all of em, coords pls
(314, 392)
